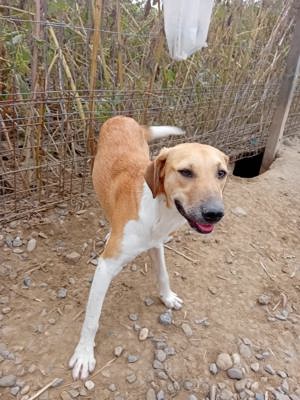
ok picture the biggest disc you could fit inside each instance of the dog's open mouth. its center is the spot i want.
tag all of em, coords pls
(201, 228)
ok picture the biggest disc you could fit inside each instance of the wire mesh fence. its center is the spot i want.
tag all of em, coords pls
(49, 108)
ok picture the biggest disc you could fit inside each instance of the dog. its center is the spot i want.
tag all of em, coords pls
(146, 201)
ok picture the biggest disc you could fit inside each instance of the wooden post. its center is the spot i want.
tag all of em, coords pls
(285, 95)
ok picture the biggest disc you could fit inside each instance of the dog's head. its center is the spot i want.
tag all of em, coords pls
(192, 176)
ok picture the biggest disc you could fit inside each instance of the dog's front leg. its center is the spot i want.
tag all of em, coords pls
(83, 361)
(169, 298)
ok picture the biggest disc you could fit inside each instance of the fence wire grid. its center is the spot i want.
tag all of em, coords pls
(224, 96)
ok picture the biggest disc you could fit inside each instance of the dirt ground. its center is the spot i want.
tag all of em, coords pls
(254, 250)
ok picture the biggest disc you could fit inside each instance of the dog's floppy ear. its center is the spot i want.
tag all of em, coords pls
(155, 172)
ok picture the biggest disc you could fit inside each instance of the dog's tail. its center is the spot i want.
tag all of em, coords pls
(159, 132)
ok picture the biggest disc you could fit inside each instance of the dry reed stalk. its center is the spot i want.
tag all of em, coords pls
(68, 74)
(120, 74)
(97, 12)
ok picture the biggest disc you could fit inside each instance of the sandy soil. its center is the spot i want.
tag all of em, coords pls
(255, 250)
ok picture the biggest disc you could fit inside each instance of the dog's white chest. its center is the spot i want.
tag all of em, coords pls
(156, 221)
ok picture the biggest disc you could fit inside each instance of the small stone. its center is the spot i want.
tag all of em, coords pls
(112, 387)
(212, 392)
(73, 257)
(160, 345)
(133, 317)
(150, 395)
(74, 393)
(57, 382)
(245, 350)
(254, 386)
(143, 334)
(89, 385)
(240, 385)
(14, 390)
(6, 310)
(239, 212)
(285, 386)
(133, 268)
(160, 355)
(18, 250)
(157, 364)
(192, 397)
(235, 373)
(236, 359)
(188, 385)
(27, 281)
(51, 321)
(17, 242)
(62, 293)
(187, 330)
(226, 395)
(31, 245)
(282, 374)
(132, 358)
(131, 378)
(160, 395)
(162, 375)
(224, 361)
(259, 396)
(166, 318)
(264, 299)
(4, 299)
(137, 327)
(25, 389)
(255, 366)
(118, 351)
(65, 396)
(213, 369)
(148, 301)
(170, 351)
(8, 380)
(269, 369)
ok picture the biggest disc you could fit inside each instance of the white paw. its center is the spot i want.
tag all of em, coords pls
(83, 361)
(171, 300)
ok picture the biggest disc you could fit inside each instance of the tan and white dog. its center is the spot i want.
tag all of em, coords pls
(144, 202)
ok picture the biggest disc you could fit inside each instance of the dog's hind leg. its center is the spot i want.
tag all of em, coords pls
(169, 298)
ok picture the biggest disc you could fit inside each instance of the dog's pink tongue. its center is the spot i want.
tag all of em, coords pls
(205, 228)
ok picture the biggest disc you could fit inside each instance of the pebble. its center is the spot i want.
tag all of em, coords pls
(18, 250)
(17, 242)
(285, 386)
(254, 387)
(282, 374)
(8, 380)
(131, 378)
(65, 396)
(235, 373)
(224, 361)
(187, 330)
(112, 387)
(157, 364)
(73, 257)
(240, 385)
(212, 392)
(62, 293)
(118, 351)
(31, 245)
(239, 212)
(74, 393)
(89, 385)
(143, 334)
(148, 301)
(57, 382)
(133, 317)
(188, 385)
(160, 355)
(4, 299)
(192, 397)
(6, 310)
(170, 351)
(27, 281)
(245, 350)
(14, 390)
(25, 389)
(226, 395)
(162, 375)
(132, 358)
(166, 318)
(236, 359)
(213, 369)
(160, 395)
(269, 369)
(150, 395)
(160, 345)
(259, 396)
(255, 366)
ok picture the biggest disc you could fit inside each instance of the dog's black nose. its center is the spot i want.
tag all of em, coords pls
(213, 212)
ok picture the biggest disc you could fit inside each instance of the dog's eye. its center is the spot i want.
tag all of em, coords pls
(221, 174)
(187, 173)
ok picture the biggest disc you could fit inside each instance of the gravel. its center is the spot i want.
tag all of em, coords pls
(62, 293)
(112, 387)
(148, 301)
(118, 351)
(160, 355)
(31, 245)
(144, 332)
(133, 317)
(131, 378)
(157, 364)
(255, 366)
(224, 361)
(132, 358)
(245, 350)
(150, 395)
(73, 257)
(187, 330)
(165, 318)
(235, 373)
(269, 369)
(8, 381)
(89, 385)
(213, 369)
(160, 395)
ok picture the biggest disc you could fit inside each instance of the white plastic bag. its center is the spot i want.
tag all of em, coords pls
(186, 26)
